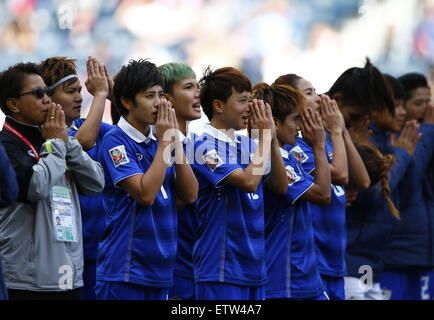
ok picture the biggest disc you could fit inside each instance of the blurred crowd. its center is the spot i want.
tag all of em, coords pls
(260, 37)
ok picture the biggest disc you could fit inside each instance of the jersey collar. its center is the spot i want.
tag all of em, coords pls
(219, 135)
(185, 139)
(284, 153)
(135, 134)
(72, 127)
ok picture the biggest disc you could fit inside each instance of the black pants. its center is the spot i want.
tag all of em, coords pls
(74, 294)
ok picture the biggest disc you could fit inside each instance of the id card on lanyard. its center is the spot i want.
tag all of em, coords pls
(62, 210)
(63, 214)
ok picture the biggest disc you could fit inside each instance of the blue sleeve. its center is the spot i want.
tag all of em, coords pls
(105, 127)
(8, 180)
(213, 164)
(424, 150)
(119, 161)
(299, 181)
(303, 154)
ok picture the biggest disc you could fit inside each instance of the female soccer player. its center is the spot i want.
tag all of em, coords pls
(137, 251)
(371, 220)
(329, 221)
(182, 90)
(409, 258)
(290, 246)
(229, 252)
(60, 74)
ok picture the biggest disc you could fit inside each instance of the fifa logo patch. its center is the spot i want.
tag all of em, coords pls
(119, 156)
(292, 175)
(299, 154)
(212, 159)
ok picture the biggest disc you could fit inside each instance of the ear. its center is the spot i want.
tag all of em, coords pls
(218, 106)
(12, 104)
(127, 103)
(170, 98)
(278, 123)
(338, 97)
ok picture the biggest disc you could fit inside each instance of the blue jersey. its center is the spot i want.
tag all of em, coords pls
(328, 220)
(139, 242)
(187, 225)
(230, 244)
(92, 211)
(290, 245)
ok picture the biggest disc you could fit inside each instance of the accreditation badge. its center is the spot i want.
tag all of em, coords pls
(64, 224)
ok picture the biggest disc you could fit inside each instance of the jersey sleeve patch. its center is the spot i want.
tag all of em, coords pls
(299, 154)
(212, 160)
(119, 156)
(292, 175)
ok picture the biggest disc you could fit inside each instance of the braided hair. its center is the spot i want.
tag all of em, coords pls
(378, 167)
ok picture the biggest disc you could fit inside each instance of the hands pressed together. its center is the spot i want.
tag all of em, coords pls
(54, 126)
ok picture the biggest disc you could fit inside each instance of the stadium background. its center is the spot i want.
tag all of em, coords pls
(317, 39)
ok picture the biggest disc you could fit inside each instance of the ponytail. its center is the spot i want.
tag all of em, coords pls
(386, 164)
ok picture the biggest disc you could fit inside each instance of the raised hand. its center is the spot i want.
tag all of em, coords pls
(428, 116)
(165, 120)
(333, 120)
(261, 117)
(408, 138)
(360, 131)
(312, 128)
(54, 126)
(97, 82)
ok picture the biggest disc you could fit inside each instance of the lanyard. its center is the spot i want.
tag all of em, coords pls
(19, 135)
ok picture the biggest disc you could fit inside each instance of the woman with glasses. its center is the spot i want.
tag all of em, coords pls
(42, 260)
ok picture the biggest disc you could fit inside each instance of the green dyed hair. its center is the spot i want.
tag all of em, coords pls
(174, 72)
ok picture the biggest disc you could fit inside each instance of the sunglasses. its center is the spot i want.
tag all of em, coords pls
(39, 93)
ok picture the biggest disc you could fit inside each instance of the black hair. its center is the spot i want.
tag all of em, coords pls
(133, 78)
(396, 86)
(283, 99)
(411, 81)
(365, 87)
(218, 84)
(11, 82)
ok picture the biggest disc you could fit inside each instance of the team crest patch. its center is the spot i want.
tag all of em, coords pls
(119, 155)
(292, 175)
(212, 159)
(330, 154)
(299, 154)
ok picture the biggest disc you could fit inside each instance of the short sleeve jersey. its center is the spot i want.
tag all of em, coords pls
(230, 244)
(139, 242)
(329, 220)
(290, 248)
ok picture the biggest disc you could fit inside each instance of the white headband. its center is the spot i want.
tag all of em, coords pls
(62, 81)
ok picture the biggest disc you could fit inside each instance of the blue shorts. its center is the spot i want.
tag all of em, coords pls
(225, 291)
(110, 290)
(406, 284)
(183, 288)
(334, 287)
